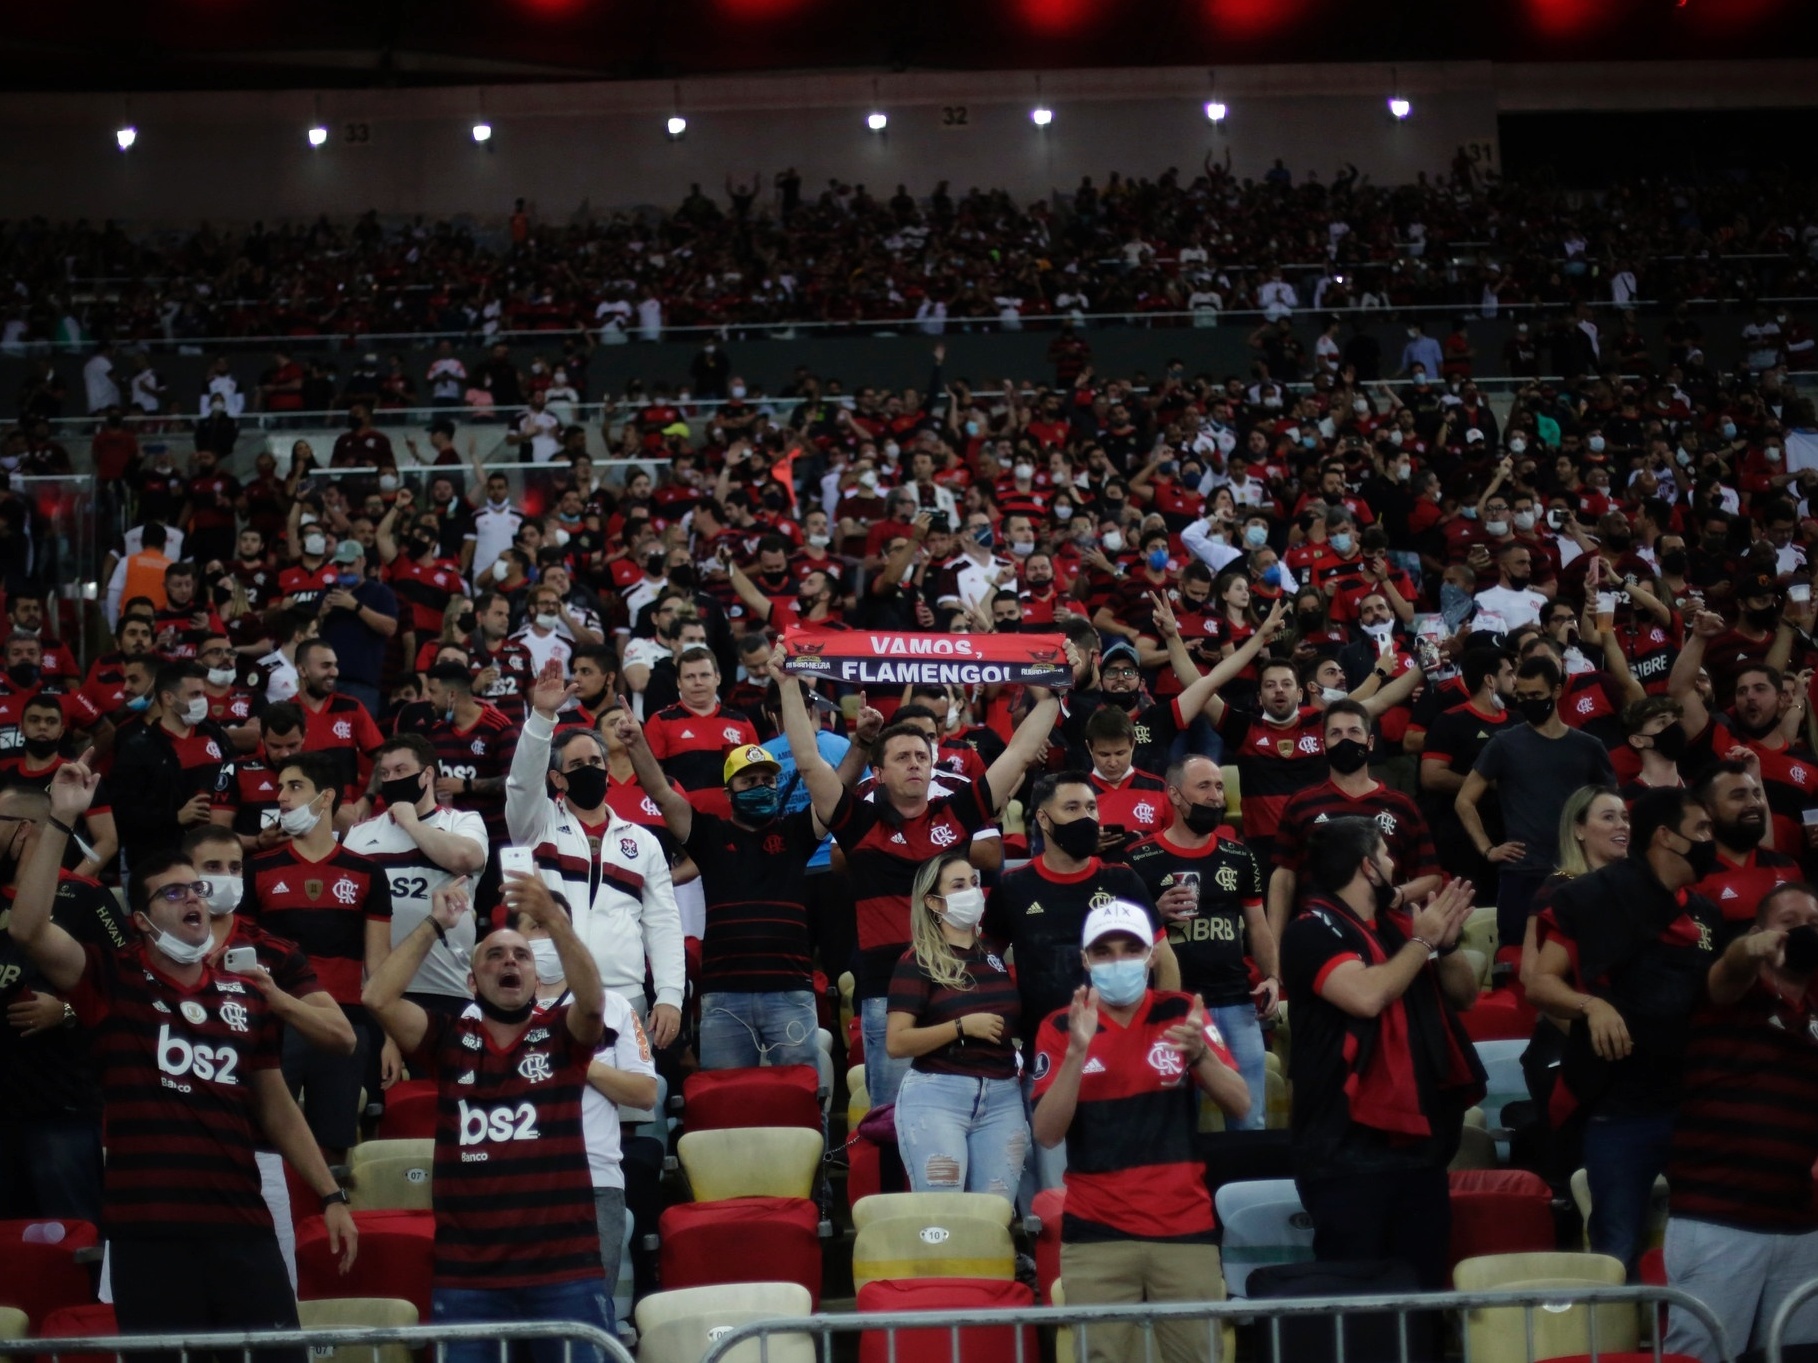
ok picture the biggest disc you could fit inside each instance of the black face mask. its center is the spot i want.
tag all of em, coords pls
(403, 790)
(467, 622)
(1384, 890)
(1310, 622)
(1078, 839)
(24, 674)
(1715, 544)
(586, 787)
(509, 1016)
(42, 748)
(1671, 741)
(1764, 618)
(1536, 710)
(1203, 819)
(1802, 949)
(1347, 755)
(1123, 700)
(1619, 542)
(1700, 856)
(1674, 562)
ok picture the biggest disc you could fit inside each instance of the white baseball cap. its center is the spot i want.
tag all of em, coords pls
(1120, 915)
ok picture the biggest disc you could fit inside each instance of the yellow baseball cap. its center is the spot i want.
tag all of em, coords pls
(749, 756)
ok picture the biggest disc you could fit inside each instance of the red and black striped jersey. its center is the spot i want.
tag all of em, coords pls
(1273, 761)
(914, 991)
(341, 728)
(1131, 1168)
(480, 753)
(513, 1194)
(509, 692)
(79, 710)
(883, 853)
(282, 958)
(754, 881)
(627, 799)
(181, 1114)
(322, 906)
(1404, 831)
(1746, 1131)
(693, 748)
(252, 795)
(306, 588)
(423, 592)
(18, 771)
(231, 709)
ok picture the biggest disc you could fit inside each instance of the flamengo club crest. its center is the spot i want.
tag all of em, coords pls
(312, 890)
(535, 1067)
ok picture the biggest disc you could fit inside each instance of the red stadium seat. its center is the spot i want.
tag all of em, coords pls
(1652, 1268)
(93, 1320)
(410, 1111)
(740, 1240)
(1500, 1015)
(1500, 1211)
(873, 1168)
(396, 1259)
(980, 1344)
(39, 1274)
(774, 1095)
(1050, 1205)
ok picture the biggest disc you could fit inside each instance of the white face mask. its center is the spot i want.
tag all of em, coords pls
(1330, 694)
(196, 711)
(1497, 529)
(180, 951)
(738, 390)
(964, 908)
(1023, 472)
(548, 622)
(549, 960)
(1113, 541)
(561, 537)
(315, 545)
(1517, 445)
(1595, 443)
(819, 541)
(1063, 511)
(221, 676)
(388, 482)
(1379, 631)
(299, 822)
(1524, 520)
(224, 894)
(501, 569)
(868, 480)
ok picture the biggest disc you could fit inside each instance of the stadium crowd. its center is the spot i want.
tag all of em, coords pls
(1556, 657)
(1202, 241)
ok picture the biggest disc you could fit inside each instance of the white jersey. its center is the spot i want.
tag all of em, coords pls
(414, 879)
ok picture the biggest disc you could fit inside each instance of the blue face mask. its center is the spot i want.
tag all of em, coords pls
(756, 805)
(138, 703)
(1120, 983)
(1256, 536)
(1342, 543)
(1158, 559)
(1168, 468)
(1271, 575)
(984, 537)
(346, 579)
(1310, 441)
(972, 428)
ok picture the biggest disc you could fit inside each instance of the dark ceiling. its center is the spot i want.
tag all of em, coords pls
(211, 44)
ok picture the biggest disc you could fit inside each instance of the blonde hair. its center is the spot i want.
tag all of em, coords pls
(933, 952)
(1572, 818)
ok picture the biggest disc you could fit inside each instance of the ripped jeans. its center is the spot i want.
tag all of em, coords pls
(958, 1134)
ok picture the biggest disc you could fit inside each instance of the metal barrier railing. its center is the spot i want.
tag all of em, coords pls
(1783, 1318)
(757, 1336)
(581, 1343)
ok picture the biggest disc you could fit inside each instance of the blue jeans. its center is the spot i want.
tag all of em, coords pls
(882, 1074)
(961, 1135)
(1237, 1023)
(582, 1300)
(1622, 1158)
(1049, 1167)
(739, 1030)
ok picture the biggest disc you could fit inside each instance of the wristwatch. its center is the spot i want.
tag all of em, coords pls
(69, 1015)
(338, 1195)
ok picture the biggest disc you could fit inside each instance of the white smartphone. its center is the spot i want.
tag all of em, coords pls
(516, 859)
(239, 960)
(1799, 591)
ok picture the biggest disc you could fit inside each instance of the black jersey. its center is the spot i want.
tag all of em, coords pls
(1210, 945)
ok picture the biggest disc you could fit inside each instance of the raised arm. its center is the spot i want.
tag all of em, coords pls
(527, 806)
(1203, 692)
(678, 814)
(58, 956)
(1005, 775)
(527, 894)
(759, 604)
(1682, 681)
(405, 1022)
(824, 788)
(1390, 694)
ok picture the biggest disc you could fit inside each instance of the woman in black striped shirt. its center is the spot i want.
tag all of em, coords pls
(954, 1009)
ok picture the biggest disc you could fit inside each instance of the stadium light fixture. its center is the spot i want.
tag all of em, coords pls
(125, 136)
(1041, 115)
(877, 121)
(318, 135)
(1400, 108)
(676, 126)
(482, 132)
(1215, 111)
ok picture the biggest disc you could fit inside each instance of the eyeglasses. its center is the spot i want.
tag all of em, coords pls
(1120, 672)
(177, 893)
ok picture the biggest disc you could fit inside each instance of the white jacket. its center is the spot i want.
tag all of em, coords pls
(632, 914)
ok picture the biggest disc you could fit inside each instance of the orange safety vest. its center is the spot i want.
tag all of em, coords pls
(145, 577)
